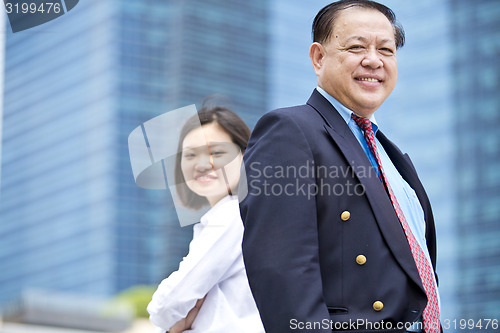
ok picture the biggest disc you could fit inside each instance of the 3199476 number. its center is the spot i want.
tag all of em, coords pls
(32, 8)
(469, 324)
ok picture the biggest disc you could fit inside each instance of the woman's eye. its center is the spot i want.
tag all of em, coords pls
(188, 155)
(217, 153)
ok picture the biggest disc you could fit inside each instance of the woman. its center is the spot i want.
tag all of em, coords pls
(209, 292)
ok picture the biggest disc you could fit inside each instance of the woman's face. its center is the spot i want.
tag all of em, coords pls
(210, 162)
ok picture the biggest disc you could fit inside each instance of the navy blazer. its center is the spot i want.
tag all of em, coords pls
(323, 247)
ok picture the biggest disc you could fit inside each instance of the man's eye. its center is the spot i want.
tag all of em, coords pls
(356, 47)
(188, 155)
(386, 50)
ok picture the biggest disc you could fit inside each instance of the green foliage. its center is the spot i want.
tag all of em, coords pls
(138, 297)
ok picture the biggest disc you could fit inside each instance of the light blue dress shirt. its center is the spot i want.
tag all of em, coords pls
(405, 195)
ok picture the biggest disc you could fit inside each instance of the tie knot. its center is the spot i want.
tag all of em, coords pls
(364, 123)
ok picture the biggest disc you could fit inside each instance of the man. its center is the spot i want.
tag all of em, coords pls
(339, 233)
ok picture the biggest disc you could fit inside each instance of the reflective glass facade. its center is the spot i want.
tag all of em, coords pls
(57, 209)
(72, 218)
(476, 67)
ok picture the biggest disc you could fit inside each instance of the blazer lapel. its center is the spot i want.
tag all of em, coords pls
(383, 210)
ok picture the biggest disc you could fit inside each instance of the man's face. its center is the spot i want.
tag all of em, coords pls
(357, 66)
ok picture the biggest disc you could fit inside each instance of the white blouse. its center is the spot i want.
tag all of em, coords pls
(214, 267)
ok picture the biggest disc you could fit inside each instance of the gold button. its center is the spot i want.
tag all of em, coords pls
(361, 259)
(378, 305)
(345, 215)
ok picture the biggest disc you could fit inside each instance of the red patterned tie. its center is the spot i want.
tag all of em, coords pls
(431, 311)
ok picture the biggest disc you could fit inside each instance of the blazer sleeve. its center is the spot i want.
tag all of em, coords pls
(210, 256)
(280, 242)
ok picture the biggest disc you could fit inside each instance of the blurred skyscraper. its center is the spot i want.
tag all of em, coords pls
(2, 55)
(476, 69)
(72, 218)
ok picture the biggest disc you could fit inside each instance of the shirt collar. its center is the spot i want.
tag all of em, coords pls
(342, 110)
(213, 210)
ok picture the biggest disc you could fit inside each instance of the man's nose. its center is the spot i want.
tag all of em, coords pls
(372, 59)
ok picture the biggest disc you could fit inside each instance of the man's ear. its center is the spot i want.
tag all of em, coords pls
(316, 53)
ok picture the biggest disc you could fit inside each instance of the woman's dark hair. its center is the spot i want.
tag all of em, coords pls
(323, 22)
(231, 123)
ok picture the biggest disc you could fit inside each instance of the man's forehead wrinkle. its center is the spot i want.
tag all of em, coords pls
(360, 38)
(366, 40)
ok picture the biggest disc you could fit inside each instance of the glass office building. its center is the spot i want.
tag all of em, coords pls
(476, 68)
(72, 218)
